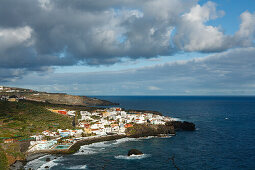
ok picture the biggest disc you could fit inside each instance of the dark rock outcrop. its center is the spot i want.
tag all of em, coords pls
(19, 164)
(143, 130)
(47, 159)
(134, 152)
(178, 125)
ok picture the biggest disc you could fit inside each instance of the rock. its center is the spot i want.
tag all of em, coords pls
(178, 125)
(188, 126)
(134, 152)
(47, 159)
(19, 164)
(46, 167)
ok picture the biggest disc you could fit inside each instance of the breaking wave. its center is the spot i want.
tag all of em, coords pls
(92, 148)
(78, 167)
(123, 140)
(132, 157)
(40, 163)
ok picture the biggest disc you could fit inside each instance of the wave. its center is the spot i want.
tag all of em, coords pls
(176, 119)
(132, 157)
(123, 140)
(40, 162)
(78, 167)
(92, 148)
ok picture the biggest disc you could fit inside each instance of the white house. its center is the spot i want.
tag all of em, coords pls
(85, 113)
(71, 113)
(42, 145)
(123, 113)
(37, 137)
(1, 88)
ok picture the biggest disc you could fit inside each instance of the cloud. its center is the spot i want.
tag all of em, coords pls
(230, 72)
(39, 34)
(153, 88)
(192, 33)
(246, 33)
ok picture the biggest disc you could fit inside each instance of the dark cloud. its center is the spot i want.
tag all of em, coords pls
(45, 33)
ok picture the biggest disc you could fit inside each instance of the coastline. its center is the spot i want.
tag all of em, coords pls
(75, 147)
(161, 132)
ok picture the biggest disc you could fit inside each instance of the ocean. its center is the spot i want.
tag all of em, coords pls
(224, 138)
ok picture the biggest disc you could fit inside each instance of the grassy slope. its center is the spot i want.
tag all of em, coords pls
(3, 160)
(26, 118)
(22, 119)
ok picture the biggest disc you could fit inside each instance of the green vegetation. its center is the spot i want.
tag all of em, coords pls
(3, 160)
(22, 119)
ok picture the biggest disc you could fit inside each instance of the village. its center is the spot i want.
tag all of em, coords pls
(99, 123)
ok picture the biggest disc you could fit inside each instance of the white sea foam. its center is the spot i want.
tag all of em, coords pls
(40, 163)
(148, 137)
(36, 163)
(86, 151)
(176, 119)
(118, 141)
(132, 157)
(92, 148)
(78, 167)
(165, 137)
(99, 144)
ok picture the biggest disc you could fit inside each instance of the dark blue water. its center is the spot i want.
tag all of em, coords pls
(224, 139)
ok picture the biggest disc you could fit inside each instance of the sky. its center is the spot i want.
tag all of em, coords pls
(129, 47)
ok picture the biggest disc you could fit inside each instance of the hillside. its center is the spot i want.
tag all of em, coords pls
(54, 98)
(20, 120)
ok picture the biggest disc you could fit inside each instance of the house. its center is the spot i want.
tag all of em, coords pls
(115, 128)
(118, 109)
(123, 113)
(106, 114)
(49, 133)
(128, 125)
(37, 137)
(4, 98)
(84, 125)
(42, 145)
(13, 99)
(96, 131)
(63, 112)
(9, 141)
(64, 133)
(157, 122)
(87, 130)
(85, 113)
(1, 88)
(122, 128)
(71, 113)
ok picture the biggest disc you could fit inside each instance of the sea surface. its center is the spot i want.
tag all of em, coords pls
(224, 139)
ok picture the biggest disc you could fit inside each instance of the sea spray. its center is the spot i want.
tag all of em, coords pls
(132, 157)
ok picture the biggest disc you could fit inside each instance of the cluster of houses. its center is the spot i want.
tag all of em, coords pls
(101, 122)
(9, 89)
(12, 98)
(115, 121)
